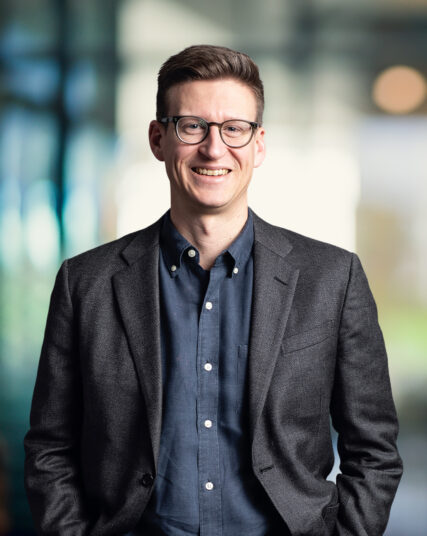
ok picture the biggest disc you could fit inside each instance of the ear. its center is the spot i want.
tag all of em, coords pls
(156, 135)
(259, 147)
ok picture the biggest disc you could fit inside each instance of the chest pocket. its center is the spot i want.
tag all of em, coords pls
(308, 338)
(303, 370)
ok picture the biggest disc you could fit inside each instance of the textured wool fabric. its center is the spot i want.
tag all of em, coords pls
(315, 351)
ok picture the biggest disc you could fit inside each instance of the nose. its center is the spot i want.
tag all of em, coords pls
(212, 146)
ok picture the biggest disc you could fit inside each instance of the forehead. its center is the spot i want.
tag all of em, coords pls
(215, 100)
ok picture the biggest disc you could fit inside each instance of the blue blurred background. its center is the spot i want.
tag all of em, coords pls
(346, 122)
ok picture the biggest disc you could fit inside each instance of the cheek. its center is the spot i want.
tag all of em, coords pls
(176, 168)
(248, 163)
(180, 156)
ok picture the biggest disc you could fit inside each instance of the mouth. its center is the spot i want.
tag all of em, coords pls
(211, 172)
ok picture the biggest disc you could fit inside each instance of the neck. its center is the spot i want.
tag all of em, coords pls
(210, 233)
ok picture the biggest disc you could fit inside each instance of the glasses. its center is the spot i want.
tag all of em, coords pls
(192, 129)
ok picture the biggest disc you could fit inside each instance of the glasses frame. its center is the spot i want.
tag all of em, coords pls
(175, 118)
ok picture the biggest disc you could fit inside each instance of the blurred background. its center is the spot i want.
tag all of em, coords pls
(346, 122)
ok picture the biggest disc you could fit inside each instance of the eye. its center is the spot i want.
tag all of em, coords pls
(235, 129)
(232, 129)
(191, 125)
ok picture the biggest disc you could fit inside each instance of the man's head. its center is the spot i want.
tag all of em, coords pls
(208, 62)
(208, 129)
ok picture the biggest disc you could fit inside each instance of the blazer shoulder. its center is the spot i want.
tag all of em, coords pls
(299, 247)
(104, 260)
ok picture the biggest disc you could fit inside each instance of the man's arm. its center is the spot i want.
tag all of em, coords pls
(52, 466)
(364, 416)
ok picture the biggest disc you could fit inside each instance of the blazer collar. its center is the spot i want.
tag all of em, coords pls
(144, 242)
(271, 237)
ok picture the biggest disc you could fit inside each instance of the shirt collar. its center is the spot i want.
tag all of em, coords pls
(174, 245)
(241, 249)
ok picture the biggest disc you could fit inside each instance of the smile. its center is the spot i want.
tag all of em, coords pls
(215, 172)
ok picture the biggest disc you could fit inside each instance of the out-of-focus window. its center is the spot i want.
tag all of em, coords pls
(57, 143)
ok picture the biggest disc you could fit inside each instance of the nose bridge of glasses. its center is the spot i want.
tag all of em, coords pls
(214, 123)
(209, 132)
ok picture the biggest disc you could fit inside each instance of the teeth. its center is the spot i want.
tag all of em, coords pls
(203, 171)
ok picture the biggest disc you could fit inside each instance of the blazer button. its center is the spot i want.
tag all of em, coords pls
(147, 480)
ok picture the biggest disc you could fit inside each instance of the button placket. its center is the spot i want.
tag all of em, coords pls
(207, 406)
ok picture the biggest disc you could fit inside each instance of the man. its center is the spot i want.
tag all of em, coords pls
(189, 370)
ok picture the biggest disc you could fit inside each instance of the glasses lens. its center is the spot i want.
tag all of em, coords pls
(236, 133)
(191, 129)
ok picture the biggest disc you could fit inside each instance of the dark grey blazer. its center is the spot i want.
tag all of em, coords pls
(315, 350)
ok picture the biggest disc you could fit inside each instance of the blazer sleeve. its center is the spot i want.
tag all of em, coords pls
(52, 465)
(364, 416)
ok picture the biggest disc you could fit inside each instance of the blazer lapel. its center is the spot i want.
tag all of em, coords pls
(274, 286)
(137, 293)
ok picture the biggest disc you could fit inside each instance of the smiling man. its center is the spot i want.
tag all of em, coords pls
(189, 371)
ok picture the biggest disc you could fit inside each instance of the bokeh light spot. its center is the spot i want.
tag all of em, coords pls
(399, 90)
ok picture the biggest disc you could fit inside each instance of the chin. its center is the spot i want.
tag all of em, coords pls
(212, 202)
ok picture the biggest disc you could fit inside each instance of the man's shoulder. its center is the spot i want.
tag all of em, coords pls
(299, 247)
(114, 255)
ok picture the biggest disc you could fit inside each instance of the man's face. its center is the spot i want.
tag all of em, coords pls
(187, 165)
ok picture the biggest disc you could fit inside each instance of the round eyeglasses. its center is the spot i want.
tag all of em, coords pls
(193, 130)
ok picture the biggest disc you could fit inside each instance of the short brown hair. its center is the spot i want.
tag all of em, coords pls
(208, 62)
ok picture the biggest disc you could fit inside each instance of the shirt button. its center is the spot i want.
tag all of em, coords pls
(191, 253)
(208, 305)
(208, 367)
(173, 268)
(208, 423)
(235, 270)
(209, 486)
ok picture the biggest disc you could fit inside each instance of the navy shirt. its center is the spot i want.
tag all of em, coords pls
(205, 484)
